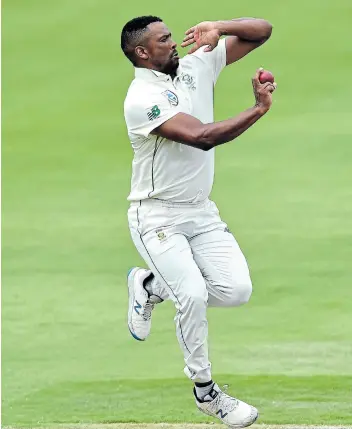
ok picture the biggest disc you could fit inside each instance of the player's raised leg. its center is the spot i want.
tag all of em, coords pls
(170, 258)
(223, 264)
(220, 259)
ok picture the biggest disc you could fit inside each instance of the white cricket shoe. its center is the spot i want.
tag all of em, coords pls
(140, 304)
(231, 411)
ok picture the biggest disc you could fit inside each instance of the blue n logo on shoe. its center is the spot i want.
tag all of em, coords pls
(137, 307)
(222, 414)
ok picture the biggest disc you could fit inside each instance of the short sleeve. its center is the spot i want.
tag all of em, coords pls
(215, 59)
(145, 112)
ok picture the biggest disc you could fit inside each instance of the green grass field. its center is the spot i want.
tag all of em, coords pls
(284, 188)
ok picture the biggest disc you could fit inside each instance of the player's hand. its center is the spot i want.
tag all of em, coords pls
(203, 34)
(263, 92)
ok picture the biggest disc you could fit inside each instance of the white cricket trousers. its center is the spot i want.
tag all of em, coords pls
(196, 262)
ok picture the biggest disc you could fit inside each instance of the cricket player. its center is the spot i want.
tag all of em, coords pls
(192, 257)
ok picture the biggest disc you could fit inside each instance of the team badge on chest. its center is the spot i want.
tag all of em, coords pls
(173, 99)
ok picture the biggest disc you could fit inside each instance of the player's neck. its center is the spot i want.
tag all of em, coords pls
(153, 68)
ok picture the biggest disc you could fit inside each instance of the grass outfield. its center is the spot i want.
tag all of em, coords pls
(176, 426)
(284, 189)
(280, 399)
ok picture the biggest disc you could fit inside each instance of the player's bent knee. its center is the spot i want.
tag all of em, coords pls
(245, 292)
(241, 293)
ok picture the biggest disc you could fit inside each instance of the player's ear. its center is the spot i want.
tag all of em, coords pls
(141, 52)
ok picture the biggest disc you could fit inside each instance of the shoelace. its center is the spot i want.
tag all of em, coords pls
(147, 313)
(224, 401)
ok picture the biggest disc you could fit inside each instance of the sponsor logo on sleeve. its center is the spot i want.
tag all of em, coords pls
(153, 113)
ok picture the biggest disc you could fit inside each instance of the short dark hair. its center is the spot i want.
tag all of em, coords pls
(132, 34)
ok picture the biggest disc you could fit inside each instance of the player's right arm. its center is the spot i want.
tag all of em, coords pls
(188, 130)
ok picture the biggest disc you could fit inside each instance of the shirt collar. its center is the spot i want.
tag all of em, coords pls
(149, 74)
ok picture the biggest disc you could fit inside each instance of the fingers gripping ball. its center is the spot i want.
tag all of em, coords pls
(266, 76)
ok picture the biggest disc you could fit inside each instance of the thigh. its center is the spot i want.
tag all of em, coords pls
(169, 256)
(222, 264)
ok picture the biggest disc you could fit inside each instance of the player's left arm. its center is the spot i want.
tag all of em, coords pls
(244, 35)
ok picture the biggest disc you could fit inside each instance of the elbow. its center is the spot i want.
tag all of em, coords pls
(267, 29)
(207, 146)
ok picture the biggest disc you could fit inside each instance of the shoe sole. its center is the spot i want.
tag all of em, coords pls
(240, 425)
(130, 280)
(244, 425)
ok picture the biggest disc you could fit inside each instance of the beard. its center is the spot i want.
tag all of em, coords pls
(171, 66)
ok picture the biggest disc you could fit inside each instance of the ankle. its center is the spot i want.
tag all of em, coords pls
(203, 389)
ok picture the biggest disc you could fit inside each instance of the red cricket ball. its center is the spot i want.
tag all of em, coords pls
(266, 76)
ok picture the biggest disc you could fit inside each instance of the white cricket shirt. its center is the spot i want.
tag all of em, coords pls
(162, 168)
